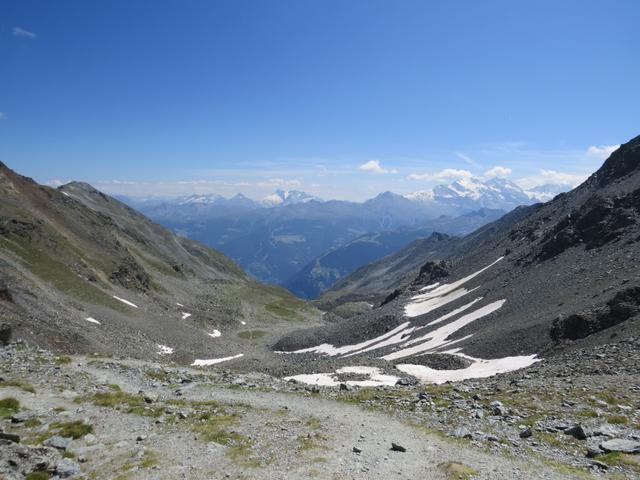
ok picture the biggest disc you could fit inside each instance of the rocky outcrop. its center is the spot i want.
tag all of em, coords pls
(131, 276)
(432, 272)
(5, 294)
(623, 306)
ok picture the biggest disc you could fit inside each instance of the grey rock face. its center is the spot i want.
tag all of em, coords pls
(61, 443)
(621, 445)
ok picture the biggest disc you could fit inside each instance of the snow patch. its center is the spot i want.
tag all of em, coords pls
(91, 319)
(429, 287)
(376, 377)
(438, 338)
(185, 315)
(164, 350)
(179, 304)
(330, 350)
(213, 361)
(243, 322)
(125, 301)
(215, 334)
(480, 368)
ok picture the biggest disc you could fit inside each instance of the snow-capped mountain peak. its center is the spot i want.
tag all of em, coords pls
(286, 197)
(473, 193)
(200, 198)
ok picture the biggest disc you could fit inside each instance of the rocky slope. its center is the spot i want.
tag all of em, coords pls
(63, 417)
(535, 282)
(84, 272)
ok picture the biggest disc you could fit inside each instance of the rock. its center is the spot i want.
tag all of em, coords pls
(492, 438)
(67, 468)
(478, 413)
(577, 432)
(600, 465)
(5, 333)
(404, 382)
(526, 433)
(593, 451)
(90, 438)
(498, 408)
(621, 445)
(345, 387)
(463, 433)
(397, 448)
(606, 431)
(21, 417)
(10, 437)
(61, 443)
(357, 450)
(238, 381)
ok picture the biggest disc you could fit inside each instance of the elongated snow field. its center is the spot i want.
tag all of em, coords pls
(126, 302)
(432, 297)
(213, 361)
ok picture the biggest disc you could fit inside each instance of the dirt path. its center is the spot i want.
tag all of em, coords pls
(274, 419)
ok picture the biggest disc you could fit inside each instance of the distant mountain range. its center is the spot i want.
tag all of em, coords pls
(294, 239)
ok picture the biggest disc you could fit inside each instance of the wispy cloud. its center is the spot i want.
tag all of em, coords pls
(498, 172)
(446, 174)
(467, 159)
(21, 32)
(602, 151)
(3, 116)
(374, 166)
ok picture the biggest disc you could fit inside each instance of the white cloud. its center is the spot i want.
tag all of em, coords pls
(602, 151)
(21, 32)
(498, 172)
(2, 116)
(279, 182)
(374, 166)
(446, 174)
(55, 183)
(553, 177)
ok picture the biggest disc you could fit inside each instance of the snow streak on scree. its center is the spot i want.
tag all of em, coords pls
(431, 298)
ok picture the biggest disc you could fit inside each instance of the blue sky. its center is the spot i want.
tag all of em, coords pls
(343, 99)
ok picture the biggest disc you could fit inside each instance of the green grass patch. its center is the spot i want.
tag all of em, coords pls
(8, 406)
(76, 429)
(37, 476)
(21, 384)
(617, 419)
(457, 470)
(252, 334)
(621, 459)
(159, 375)
(119, 400)
(63, 360)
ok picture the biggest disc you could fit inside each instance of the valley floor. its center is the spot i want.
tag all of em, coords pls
(104, 418)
